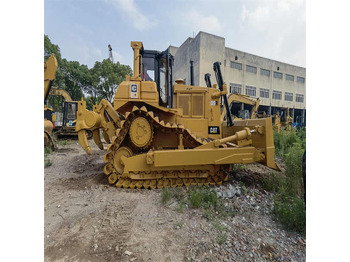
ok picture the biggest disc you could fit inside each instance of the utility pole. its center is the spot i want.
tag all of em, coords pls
(110, 53)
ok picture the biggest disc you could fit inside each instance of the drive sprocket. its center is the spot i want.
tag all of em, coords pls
(141, 132)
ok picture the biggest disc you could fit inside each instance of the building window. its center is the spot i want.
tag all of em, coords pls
(265, 72)
(289, 77)
(250, 90)
(299, 98)
(277, 75)
(251, 69)
(265, 93)
(235, 88)
(277, 95)
(236, 65)
(300, 79)
(288, 96)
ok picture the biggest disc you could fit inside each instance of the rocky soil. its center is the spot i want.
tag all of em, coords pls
(88, 220)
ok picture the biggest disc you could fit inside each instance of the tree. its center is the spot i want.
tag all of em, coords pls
(107, 76)
(99, 82)
(50, 48)
(70, 76)
(76, 78)
(90, 101)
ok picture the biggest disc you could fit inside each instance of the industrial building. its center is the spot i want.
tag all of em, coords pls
(278, 85)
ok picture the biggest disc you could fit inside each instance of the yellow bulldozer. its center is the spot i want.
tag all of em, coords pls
(161, 134)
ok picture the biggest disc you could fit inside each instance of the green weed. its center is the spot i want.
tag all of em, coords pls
(274, 182)
(47, 162)
(294, 177)
(289, 207)
(181, 207)
(178, 194)
(291, 212)
(202, 197)
(195, 198)
(240, 166)
(221, 232)
(180, 224)
(65, 142)
(284, 140)
(166, 195)
(47, 150)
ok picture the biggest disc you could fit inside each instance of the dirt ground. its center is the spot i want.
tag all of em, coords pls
(88, 220)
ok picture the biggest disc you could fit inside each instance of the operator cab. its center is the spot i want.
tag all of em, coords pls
(157, 66)
(70, 113)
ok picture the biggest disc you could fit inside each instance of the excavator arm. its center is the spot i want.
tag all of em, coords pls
(239, 98)
(50, 68)
(255, 109)
(60, 92)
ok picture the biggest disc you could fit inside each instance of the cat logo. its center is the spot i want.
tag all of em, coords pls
(134, 91)
(213, 130)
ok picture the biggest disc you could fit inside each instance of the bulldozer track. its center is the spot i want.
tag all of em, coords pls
(208, 175)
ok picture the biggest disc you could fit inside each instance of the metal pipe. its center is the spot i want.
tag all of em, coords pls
(240, 135)
(207, 80)
(191, 73)
(220, 83)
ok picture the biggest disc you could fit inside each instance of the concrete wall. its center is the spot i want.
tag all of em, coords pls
(212, 49)
(187, 52)
(258, 80)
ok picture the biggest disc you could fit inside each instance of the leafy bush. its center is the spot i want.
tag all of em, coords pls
(289, 207)
(291, 212)
(294, 178)
(284, 140)
(274, 182)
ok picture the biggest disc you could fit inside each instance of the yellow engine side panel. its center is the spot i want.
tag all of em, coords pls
(201, 112)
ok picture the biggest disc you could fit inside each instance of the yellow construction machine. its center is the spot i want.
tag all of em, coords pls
(161, 134)
(65, 126)
(50, 67)
(245, 99)
(284, 121)
(288, 120)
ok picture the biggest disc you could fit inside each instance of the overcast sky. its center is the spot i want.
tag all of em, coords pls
(83, 29)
